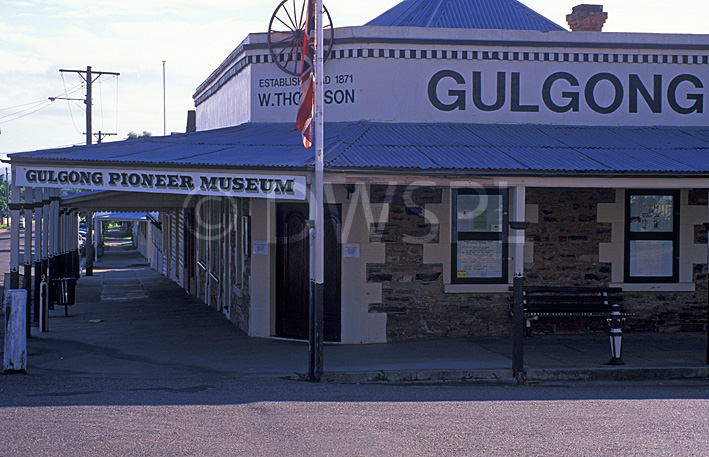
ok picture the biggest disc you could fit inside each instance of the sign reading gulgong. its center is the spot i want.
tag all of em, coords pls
(188, 183)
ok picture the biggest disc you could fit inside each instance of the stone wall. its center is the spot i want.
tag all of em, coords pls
(412, 292)
(566, 253)
(675, 311)
(567, 236)
(566, 248)
(241, 301)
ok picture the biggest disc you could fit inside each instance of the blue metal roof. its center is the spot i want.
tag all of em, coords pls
(465, 14)
(421, 147)
(122, 216)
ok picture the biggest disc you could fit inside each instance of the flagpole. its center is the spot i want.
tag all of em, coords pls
(317, 302)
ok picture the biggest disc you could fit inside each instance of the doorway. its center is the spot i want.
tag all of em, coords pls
(293, 272)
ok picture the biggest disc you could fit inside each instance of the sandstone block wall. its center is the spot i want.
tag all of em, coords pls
(566, 253)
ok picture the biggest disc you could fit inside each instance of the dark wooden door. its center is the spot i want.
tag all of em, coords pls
(332, 306)
(293, 272)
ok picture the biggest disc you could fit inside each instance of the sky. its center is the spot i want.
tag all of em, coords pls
(134, 37)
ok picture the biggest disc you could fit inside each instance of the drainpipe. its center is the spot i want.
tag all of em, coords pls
(518, 225)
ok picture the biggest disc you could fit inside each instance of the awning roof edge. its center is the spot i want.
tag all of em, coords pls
(393, 147)
(112, 200)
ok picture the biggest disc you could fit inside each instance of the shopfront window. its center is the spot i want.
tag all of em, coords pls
(652, 236)
(479, 248)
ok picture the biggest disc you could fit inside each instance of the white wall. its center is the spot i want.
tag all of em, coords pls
(389, 84)
(229, 106)
(263, 298)
(358, 324)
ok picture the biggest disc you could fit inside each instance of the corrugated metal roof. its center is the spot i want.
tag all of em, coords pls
(242, 145)
(122, 216)
(555, 159)
(466, 14)
(432, 147)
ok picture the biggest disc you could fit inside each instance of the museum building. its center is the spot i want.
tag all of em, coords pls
(444, 121)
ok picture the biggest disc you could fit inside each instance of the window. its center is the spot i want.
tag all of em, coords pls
(652, 236)
(210, 224)
(479, 239)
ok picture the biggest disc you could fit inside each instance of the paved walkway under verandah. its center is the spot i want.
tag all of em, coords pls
(131, 321)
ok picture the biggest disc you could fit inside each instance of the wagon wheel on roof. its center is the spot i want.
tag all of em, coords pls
(286, 31)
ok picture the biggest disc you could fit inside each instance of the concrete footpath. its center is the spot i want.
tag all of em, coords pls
(130, 321)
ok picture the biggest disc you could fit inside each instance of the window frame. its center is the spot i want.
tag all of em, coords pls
(673, 236)
(502, 235)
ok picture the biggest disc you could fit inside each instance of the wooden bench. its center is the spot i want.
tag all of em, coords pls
(541, 301)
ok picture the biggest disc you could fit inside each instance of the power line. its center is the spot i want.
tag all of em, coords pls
(33, 107)
(116, 129)
(100, 101)
(73, 89)
(100, 82)
(23, 105)
(18, 116)
(71, 112)
(88, 76)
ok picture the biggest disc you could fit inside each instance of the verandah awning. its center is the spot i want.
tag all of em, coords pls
(370, 146)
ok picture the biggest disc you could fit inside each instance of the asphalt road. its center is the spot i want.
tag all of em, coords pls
(261, 416)
(200, 413)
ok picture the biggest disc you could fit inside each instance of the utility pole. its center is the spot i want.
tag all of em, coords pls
(164, 111)
(101, 135)
(89, 76)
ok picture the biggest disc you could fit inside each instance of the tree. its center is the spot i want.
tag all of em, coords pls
(4, 194)
(133, 135)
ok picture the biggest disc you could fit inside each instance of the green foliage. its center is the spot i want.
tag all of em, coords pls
(4, 194)
(133, 135)
(74, 191)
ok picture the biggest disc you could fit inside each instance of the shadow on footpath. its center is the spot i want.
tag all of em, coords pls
(157, 345)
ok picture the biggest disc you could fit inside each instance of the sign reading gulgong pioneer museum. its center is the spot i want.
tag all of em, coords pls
(187, 183)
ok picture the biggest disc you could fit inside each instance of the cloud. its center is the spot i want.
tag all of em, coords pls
(148, 9)
(13, 63)
(645, 16)
(133, 37)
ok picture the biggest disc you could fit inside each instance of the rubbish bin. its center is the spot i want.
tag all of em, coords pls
(65, 292)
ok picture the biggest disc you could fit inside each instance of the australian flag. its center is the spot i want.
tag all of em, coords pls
(307, 79)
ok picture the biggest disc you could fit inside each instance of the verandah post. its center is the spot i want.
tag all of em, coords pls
(29, 208)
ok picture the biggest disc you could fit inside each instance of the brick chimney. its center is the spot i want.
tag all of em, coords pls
(586, 18)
